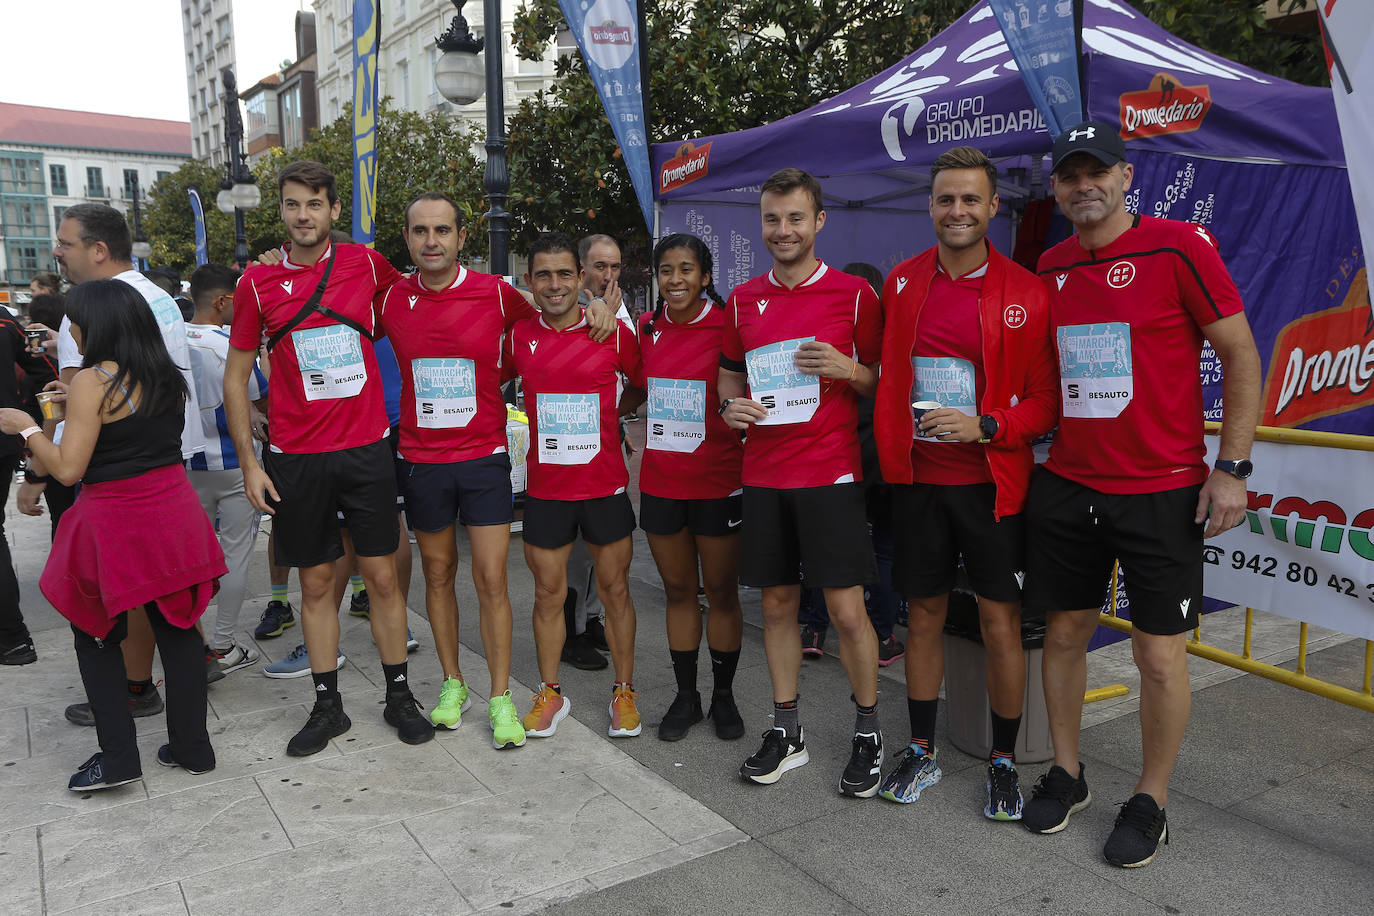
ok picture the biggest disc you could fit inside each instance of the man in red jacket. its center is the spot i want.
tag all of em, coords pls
(967, 329)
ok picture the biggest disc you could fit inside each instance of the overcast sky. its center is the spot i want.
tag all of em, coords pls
(129, 58)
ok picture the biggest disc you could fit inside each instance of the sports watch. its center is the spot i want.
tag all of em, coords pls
(1241, 468)
(987, 428)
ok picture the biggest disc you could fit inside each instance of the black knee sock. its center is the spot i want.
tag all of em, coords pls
(922, 713)
(1004, 732)
(137, 688)
(685, 669)
(723, 665)
(397, 680)
(785, 717)
(326, 684)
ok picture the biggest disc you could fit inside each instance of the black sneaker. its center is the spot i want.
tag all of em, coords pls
(327, 720)
(403, 714)
(813, 642)
(165, 758)
(276, 619)
(724, 712)
(213, 672)
(21, 653)
(864, 772)
(1135, 838)
(578, 652)
(1056, 796)
(890, 650)
(682, 715)
(91, 777)
(147, 703)
(360, 605)
(778, 754)
(596, 634)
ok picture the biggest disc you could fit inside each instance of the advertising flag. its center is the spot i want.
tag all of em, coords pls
(366, 25)
(1043, 40)
(198, 211)
(608, 36)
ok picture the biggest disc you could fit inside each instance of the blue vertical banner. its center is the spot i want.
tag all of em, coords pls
(1043, 38)
(366, 30)
(198, 212)
(608, 35)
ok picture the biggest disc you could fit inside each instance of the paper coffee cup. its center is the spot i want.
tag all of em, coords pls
(918, 410)
(52, 410)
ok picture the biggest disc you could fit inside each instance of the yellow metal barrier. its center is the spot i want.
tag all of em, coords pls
(1304, 437)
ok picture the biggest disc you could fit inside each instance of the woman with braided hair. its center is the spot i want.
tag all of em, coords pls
(690, 503)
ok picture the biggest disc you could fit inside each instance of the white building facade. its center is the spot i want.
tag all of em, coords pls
(207, 28)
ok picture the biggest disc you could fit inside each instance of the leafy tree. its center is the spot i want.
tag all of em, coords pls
(1236, 30)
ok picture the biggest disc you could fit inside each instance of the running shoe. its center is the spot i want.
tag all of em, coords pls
(778, 754)
(864, 770)
(684, 712)
(550, 707)
(724, 712)
(147, 703)
(213, 672)
(21, 653)
(236, 657)
(327, 720)
(596, 634)
(1055, 798)
(579, 652)
(276, 619)
(453, 702)
(360, 605)
(90, 777)
(165, 758)
(625, 721)
(813, 642)
(403, 714)
(915, 771)
(1135, 838)
(296, 664)
(506, 730)
(1004, 791)
(890, 650)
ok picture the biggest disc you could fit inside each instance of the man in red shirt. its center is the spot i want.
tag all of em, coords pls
(968, 329)
(577, 476)
(1131, 299)
(804, 341)
(328, 450)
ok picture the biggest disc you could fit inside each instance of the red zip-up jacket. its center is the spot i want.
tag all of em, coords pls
(1020, 368)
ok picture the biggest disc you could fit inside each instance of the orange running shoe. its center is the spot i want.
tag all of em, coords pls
(624, 715)
(550, 707)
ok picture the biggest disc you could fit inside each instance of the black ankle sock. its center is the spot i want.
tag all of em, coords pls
(723, 665)
(397, 679)
(922, 714)
(865, 719)
(785, 717)
(1004, 732)
(685, 669)
(326, 684)
(137, 688)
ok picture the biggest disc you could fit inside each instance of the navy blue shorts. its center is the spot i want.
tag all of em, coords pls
(472, 492)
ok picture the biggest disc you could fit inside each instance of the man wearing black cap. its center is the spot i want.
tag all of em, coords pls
(1132, 298)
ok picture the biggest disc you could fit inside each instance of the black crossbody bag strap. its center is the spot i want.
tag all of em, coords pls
(313, 305)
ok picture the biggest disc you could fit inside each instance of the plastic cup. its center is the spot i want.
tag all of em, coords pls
(918, 410)
(52, 410)
(36, 338)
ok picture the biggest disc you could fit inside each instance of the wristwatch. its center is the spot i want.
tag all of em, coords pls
(987, 426)
(1241, 468)
(724, 404)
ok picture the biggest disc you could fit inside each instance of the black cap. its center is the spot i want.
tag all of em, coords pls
(1092, 137)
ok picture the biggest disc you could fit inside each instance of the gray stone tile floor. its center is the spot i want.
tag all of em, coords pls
(1271, 805)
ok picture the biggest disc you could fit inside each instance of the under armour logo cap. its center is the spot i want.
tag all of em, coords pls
(1092, 137)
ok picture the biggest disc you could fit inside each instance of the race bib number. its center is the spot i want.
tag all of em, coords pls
(790, 395)
(677, 414)
(946, 380)
(331, 362)
(1095, 378)
(445, 392)
(569, 428)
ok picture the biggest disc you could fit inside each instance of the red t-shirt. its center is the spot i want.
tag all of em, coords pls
(812, 440)
(326, 393)
(947, 364)
(1129, 322)
(448, 345)
(572, 386)
(690, 452)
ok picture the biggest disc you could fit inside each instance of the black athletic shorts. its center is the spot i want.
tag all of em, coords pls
(814, 535)
(554, 523)
(933, 525)
(475, 492)
(357, 484)
(706, 517)
(1073, 533)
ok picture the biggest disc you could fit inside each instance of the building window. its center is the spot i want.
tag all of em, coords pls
(22, 174)
(95, 181)
(403, 77)
(57, 215)
(130, 182)
(24, 263)
(58, 176)
(565, 42)
(400, 11)
(529, 67)
(292, 125)
(26, 218)
(214, 96)
(162, 173)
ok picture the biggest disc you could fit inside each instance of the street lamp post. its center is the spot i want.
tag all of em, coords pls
(141, 249)
(455, 74)
(238, 189)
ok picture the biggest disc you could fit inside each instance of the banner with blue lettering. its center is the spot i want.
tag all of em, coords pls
(198, 213)
(1044, 43)
(607, 33)
(366, 28)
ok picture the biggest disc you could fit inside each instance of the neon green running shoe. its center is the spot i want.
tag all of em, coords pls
(453, 702)
(506, 730)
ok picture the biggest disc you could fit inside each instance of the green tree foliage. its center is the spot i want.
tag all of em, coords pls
(415, 154)
(1236, 30)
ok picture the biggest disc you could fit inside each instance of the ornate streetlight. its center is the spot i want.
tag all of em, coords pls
(238, 189)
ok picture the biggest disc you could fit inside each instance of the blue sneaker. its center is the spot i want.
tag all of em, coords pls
(1004, 792)
(915, 771)
(412, 644)
(277, 617)
(297, 664)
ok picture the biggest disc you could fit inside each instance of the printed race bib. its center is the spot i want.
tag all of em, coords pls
(948, 381)
(677, 414)
(331, 362)
(445, 392)
(790, 395)
(1095, 369)
(569, 428)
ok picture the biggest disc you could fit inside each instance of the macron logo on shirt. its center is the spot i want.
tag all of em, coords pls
(763, 304)
(1061, 279)
(657, 334)
(901, 284)
(286, 285)
(413, 300)
(533, 344)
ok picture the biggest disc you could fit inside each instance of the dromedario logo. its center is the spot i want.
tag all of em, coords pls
(1167, 107)
(608, 35)
(690, 163)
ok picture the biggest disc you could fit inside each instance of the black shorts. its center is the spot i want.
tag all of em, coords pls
(1074, 533)
(475, 492)
(706, 517)
(395, 439)
(814, 535)
(554, 523)
(933, 525)
(358, 484)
